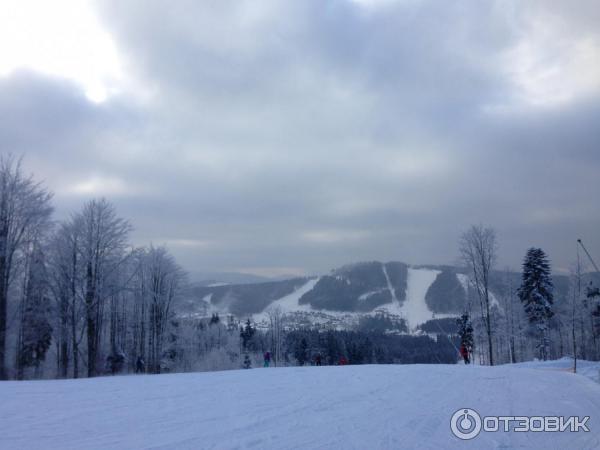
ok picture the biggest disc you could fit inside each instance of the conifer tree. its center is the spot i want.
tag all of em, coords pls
(247, 363)
(536, 294)
(465, 332)
(301, 351)
(246, 334)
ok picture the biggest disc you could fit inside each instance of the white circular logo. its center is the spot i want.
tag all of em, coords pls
(465, 424)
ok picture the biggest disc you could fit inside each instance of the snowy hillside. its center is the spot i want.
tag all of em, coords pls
(289, 303)
(339, 299)
(412, 307)
(361, 407)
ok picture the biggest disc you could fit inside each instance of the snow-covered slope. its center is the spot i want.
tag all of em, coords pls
(289, 303)
(414, 309)
(350, 407)
(344, 295)
(589, 369)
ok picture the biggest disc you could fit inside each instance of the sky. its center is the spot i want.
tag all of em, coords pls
(290, 137)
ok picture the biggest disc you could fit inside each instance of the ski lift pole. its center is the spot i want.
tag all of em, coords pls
(446, 333)
(588, 255)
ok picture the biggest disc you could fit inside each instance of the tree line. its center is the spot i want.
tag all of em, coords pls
(525, 319)
(77, 285)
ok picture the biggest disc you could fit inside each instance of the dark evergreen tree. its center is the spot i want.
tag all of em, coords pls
(592, 291)
(115, 361)
(592, 295)
(215, 319)
(536, 294)
(246, 334)
(247, 363)
(381, 355)
(465, 332)
(332, 348)
(301, 351)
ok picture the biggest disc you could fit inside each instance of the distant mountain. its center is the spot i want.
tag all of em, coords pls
(413, 294)
(359, 287)
(208, 278)
(241, 299)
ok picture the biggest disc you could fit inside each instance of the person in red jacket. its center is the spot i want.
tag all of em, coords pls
(464, 352)
(343, 361)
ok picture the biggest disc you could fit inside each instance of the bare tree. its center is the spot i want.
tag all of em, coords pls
(64, 278)
(102, 250)
(508, 319)
(276, 328)
(24, 207)
(478, 250)
(35, 331)
(164, 278)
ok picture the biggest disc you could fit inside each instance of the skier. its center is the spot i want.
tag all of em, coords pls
(464, 353)
(140, 365)
(318, 359)
(267, 359)
(343, 361)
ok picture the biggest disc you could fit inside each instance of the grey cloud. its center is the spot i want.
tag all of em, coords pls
(311, 134)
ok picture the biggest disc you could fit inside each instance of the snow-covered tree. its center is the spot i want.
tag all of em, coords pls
(478, 250)
(103, 244)
(66, 277)
(536, 294)
(35, 334)
(24, 211)
(592, 294)
(165, 282)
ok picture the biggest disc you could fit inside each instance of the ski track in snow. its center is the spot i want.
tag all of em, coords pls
(351, 407)
(389, 283)
(464, 281)
(290, 302)
(415, 309)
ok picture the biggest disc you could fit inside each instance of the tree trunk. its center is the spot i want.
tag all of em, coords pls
(489, 328)
(574, 343)
(75, 346)
(3, 306)
(63, 344)
(91, 322)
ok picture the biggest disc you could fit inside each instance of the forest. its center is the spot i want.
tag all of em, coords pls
(77, 299)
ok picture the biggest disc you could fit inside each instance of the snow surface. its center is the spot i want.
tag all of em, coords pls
(589, 369)
(218, 284)
(366, 295)
(345, 407)
(465, 282)
(415, 309)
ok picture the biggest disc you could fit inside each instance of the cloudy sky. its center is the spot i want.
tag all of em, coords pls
(287, 137)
